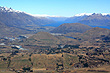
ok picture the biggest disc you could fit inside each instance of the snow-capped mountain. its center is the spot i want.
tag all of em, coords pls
(83, 14)
(5, 9)
(12, 19)
(20, 18)
(91, 19)
(58, 19)
(21, 21)
(52, 17)
(44, 15)
(88, 14)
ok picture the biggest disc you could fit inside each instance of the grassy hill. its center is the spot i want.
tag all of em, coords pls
(45, 39)
(71, 27)
(90, 36)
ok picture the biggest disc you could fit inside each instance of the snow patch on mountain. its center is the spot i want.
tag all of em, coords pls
(82, 14)
(5, 9)
(105, 13)
(88, 14)
(44, 15)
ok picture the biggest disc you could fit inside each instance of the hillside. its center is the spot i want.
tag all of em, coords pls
(96, 32)
(47, 39)
(93, 33)
(71, 27)
(12, 31)
(92, 36)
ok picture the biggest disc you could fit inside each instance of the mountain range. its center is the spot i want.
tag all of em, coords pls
(17, 20)
(91, 19)
(12, 17)
(24, 23)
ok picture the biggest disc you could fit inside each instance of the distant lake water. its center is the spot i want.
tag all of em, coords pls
(59, 23)
(55, 24)
(102, 27)
(69, 37)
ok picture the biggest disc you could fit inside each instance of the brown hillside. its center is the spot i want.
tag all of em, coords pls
(11, 31)
(46, 39)
(71, 27)
(89, 37)
(97, 32)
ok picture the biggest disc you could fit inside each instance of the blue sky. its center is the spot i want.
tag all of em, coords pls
(58, 7)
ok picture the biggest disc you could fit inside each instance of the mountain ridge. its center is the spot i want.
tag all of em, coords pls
(93, 20)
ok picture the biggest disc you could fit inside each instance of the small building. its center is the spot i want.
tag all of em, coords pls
(17, 47)
(61, 46)
(2, 44)
(22, 37)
